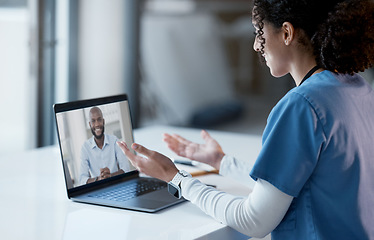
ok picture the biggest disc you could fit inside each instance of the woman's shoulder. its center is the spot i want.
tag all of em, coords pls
(315, 91)
(329, 85)
(326, 90)
(309, 89)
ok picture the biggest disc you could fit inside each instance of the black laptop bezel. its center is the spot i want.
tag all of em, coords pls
(68, 106)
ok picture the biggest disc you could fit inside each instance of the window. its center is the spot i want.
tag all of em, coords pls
(17, 98)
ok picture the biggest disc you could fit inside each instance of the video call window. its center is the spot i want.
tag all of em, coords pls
(88, 139)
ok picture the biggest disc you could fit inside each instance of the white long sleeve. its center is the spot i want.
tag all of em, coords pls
(256, 215)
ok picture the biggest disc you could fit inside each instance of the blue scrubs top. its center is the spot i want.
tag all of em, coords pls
(318, 146)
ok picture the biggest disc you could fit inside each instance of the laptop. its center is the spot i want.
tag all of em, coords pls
(95, 169)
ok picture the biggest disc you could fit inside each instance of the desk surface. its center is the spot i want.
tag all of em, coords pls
(34, 204)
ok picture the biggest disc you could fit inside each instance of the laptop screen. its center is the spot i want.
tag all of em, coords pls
(88, 131)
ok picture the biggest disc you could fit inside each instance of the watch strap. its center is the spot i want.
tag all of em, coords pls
(174, 187)
(179, 176)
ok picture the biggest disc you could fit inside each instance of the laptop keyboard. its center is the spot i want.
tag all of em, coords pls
(130, 190)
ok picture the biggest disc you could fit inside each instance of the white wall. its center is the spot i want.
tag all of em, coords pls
(101, 48)
(17, 111)
(62, 46)
(185, 63)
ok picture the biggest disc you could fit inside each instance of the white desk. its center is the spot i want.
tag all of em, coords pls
(34, 203)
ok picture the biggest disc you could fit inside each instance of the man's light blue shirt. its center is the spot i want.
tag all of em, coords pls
(93, 158)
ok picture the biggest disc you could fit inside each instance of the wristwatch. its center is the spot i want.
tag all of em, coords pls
(174, 185)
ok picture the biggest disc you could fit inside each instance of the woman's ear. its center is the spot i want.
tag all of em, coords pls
(288, 33)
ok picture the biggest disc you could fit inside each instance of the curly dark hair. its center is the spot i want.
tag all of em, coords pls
(340, 32)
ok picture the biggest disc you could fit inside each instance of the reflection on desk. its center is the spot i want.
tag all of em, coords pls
(34, 202)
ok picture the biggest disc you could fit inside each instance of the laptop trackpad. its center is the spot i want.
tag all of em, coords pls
(162, 195)
(155, 200)
(145, 203)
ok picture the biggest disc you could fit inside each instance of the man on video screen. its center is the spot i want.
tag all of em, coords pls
(101, 157)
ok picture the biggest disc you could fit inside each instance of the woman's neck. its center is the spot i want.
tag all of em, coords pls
(302, 65)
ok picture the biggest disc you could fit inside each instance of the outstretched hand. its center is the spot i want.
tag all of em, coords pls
(210, 153)
(153, 164)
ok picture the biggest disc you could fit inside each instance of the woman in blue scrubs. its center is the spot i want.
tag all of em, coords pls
(315, 172)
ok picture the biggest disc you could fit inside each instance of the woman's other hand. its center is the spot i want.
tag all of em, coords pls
(210, 153)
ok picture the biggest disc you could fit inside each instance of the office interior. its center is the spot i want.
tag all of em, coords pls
(186, 63)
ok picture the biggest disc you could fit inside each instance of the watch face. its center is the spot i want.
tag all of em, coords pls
(173, 191)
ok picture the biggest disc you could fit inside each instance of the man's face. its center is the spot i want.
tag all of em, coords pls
(97, 124)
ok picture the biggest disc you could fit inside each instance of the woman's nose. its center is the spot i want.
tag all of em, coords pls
(256, 45)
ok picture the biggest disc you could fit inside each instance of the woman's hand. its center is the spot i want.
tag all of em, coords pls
(210, 153)
(153, 164)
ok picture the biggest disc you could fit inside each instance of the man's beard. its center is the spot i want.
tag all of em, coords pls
(97, 136)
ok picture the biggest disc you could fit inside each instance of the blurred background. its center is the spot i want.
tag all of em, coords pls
(185, 63)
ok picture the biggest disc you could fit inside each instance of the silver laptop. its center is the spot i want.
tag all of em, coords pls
(96, 170)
